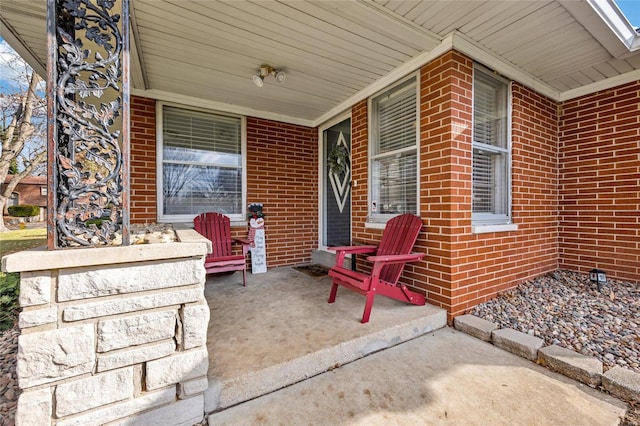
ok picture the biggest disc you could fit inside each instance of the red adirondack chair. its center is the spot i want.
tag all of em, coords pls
(217, 228)
(391, 255)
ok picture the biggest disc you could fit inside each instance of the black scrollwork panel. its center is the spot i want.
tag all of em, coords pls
(90, 95)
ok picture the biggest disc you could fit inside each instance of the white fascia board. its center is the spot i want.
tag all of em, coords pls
(615, 20)
(9, 34)
(135, 66)
(605, 22)
(161, 95)
(600, 85)
(136, 69)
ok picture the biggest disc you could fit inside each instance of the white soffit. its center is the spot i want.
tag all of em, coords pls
(23, 26)
(203, 53)
(177, 98)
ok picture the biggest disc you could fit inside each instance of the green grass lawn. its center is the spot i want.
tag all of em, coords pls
(11, 242)
(22, 239)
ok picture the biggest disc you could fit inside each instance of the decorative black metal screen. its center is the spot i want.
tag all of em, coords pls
(88, 122)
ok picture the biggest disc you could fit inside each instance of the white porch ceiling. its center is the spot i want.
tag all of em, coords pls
(338, 52)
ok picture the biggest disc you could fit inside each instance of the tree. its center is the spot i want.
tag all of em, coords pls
(23, 129)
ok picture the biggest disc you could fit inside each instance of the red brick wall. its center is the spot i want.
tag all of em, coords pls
(445, 179)
(282, 160)
(462, 269)
(575, 189)
(28, 190)
(359, 194)
(282, 164)
(465, 269)
(143, 160)
(600, 182)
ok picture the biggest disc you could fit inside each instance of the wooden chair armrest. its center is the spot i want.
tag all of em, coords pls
(396, 258)
(354, 249)
(380, 261)
(341, 252)
(242, 241)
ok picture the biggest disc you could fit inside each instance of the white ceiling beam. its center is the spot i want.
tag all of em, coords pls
(428, 37)
(136, 69)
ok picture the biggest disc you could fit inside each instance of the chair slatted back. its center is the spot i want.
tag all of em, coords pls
(217, 228)
(399, 236)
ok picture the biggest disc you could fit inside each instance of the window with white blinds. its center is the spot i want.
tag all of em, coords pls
(201, 164)
(491, 149)
(394, 147)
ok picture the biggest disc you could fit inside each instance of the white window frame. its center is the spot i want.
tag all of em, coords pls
(238, 219)
(483, 221)
(374, 217)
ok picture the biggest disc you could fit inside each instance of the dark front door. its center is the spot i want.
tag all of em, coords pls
(337, 184)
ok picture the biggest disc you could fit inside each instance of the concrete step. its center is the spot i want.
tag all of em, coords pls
(444, 377)
(225, 392)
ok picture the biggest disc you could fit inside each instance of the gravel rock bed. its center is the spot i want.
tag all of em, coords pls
(152, 233)
(564, 308)
(8, 380)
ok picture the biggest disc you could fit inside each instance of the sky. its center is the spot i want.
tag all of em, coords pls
(631, 9)
(12, 78)
(6, 73)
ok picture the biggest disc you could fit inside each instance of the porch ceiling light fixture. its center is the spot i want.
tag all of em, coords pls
(266, 70)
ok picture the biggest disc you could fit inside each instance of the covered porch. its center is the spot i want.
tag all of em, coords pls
(559, 65)
(280, 330)
(570, 70)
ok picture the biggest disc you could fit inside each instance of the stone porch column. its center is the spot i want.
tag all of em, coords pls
(115, 334)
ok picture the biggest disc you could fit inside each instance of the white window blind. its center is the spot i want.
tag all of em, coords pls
(491, 150)
(196, 133)
(483, 182)
(396, 113)
(201, 163)
(393, 166)
(489, 110)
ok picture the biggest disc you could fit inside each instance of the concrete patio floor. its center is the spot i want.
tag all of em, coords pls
(280, 329)
(266, 339)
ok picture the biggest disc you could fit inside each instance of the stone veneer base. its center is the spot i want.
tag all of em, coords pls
(103, 329)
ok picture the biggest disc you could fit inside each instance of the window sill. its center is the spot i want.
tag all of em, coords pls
(484, 229)
(187, 221)
(375, 225)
